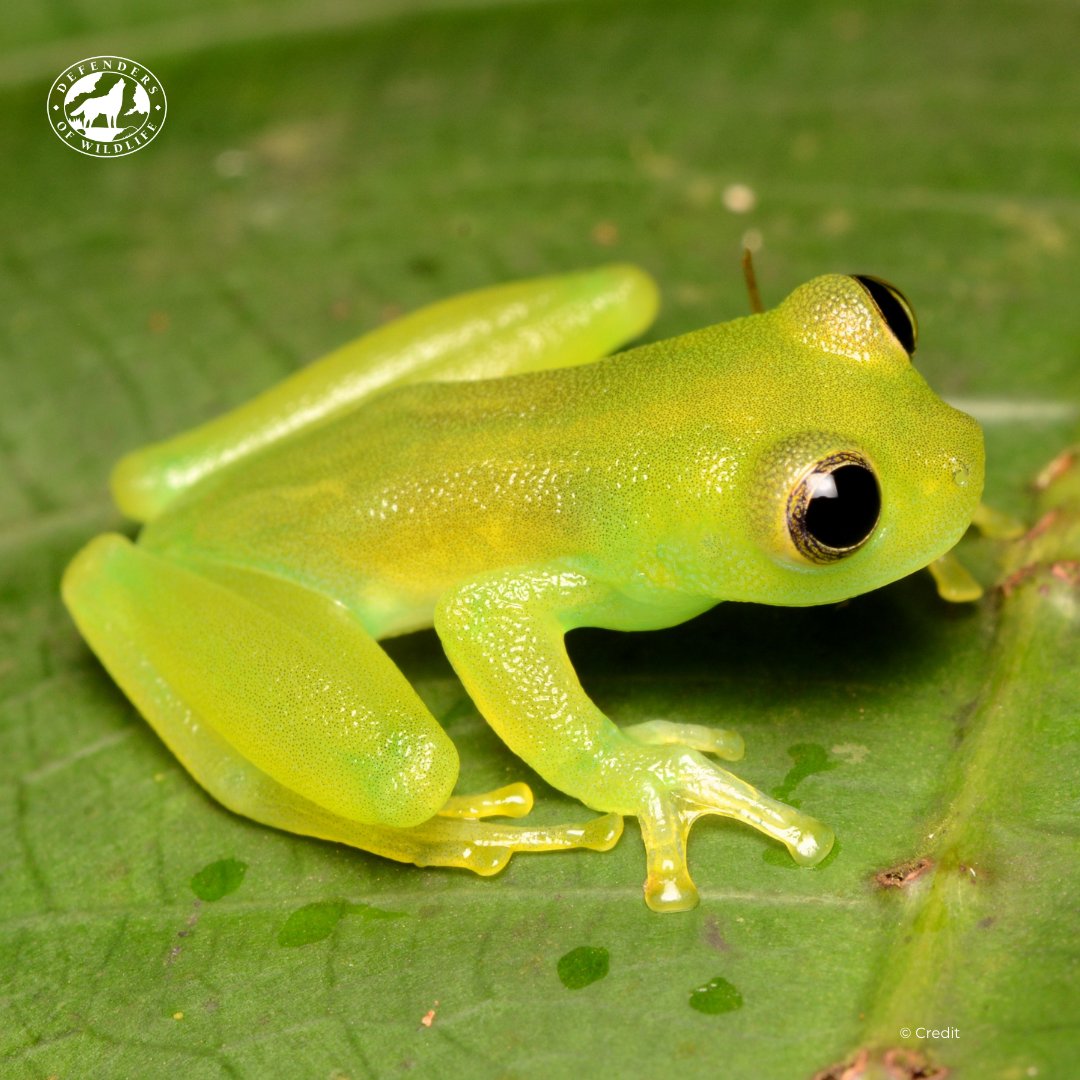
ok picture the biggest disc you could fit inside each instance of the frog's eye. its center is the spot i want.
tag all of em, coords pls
(834, 508)
(895, 309)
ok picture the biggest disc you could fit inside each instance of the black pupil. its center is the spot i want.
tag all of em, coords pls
(844, 512)
(892, 310)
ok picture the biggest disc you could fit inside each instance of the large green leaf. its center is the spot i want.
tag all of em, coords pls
(323, 168)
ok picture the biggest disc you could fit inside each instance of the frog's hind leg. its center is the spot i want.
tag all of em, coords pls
(508, 329)
(284, 710)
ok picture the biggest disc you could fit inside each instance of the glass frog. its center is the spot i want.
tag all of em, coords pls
(487, 467)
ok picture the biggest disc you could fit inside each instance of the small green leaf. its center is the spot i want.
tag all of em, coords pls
(316, 922)
(312, 922)
(715, 997)
(809, 759)
(582, 966)
(218, 879)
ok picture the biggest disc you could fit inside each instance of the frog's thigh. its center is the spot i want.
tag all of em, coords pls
(285, 677)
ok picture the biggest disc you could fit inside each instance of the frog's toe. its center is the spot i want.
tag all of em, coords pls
(953, 581)
(665, 827)
(712, 790)
(513, 801)
(810, 840)
(724, 744)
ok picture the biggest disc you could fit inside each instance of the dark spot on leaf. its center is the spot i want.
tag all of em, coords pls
(897, 1063)
(185, 932)
(850, 1069)
(315, 922)
(714, 938)
(218, 879)
(1017, 578)
(809, 758)
(424, 266)
(903, 1064)
(582, 966)
(903, 874)
(715, 997)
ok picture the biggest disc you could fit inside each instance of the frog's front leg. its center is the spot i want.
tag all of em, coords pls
(952, 579)
(504, 635)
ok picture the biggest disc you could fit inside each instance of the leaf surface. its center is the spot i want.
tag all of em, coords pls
(324, 167)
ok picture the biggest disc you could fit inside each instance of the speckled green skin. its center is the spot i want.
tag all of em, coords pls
(357, 502)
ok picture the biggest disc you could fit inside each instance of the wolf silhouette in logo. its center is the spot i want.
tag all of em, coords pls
(107, 105)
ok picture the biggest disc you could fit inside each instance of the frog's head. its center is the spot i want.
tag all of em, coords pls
(873, 476)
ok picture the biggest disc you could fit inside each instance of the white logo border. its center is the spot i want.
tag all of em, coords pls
(69, 73)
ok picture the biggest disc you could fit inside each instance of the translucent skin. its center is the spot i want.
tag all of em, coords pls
(541, 490)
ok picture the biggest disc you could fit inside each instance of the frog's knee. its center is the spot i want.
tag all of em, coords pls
(411, 779)
(97, 562)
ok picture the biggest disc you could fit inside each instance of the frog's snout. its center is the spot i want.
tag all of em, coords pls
(962, 460)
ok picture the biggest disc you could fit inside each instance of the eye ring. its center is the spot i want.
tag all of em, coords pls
(834, 509)
(895, 309)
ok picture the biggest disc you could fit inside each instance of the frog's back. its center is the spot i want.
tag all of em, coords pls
(422, 487)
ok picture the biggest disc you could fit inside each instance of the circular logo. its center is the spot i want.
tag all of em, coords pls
(106, 106)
